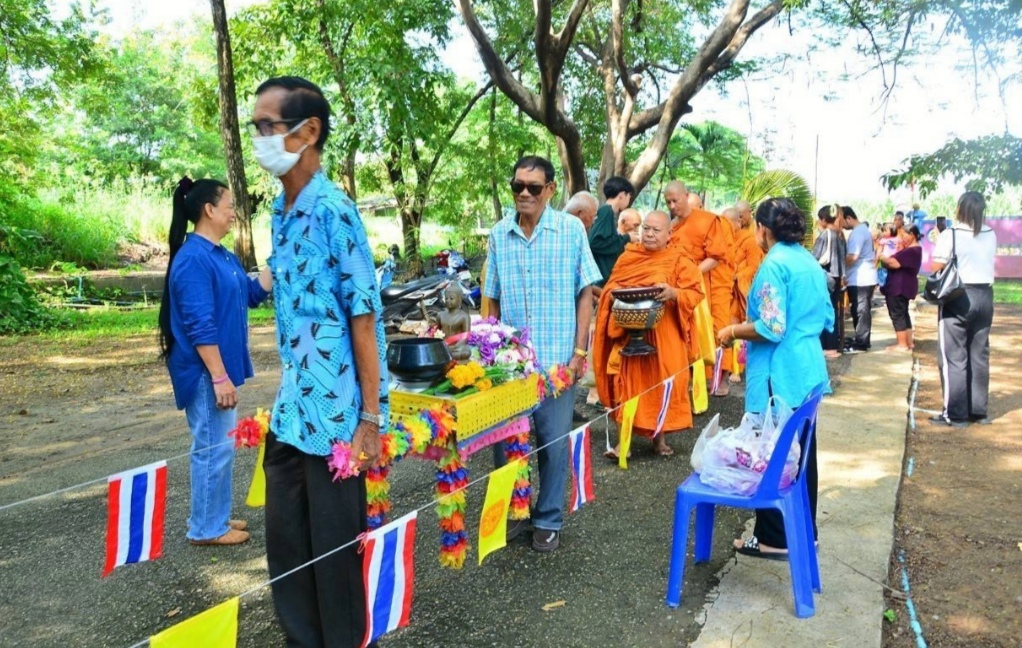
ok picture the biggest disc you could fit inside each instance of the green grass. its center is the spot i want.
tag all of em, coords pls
(1008, 291)
(99, 323)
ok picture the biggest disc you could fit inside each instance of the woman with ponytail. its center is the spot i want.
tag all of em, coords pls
(789, 306)
(204, 341)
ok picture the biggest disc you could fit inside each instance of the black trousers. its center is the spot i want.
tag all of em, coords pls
(860, 300)
(963, 343)
(307, 515)
(769, 529)
(897, 308)
(833, 340)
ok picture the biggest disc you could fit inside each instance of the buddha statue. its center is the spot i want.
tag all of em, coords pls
(455, 321)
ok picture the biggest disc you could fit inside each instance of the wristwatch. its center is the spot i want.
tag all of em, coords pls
(375, 419)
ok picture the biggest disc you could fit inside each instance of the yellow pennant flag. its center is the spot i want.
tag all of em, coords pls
(624, 434)
(704, 331)
(493, 523)
(700, 399)
(257, 490)
(217, 627)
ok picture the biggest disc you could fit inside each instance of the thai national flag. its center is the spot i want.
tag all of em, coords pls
(388, 570)
(136, 501)
(581, 468)
(665, 405)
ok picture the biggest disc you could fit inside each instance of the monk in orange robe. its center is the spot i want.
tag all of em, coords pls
(747, 257)
(706, 239)
(651, 262)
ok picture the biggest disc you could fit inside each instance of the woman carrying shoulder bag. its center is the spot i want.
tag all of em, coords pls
(963, 324)
(829, 250)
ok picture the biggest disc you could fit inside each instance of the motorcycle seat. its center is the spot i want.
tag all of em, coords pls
(394, 292)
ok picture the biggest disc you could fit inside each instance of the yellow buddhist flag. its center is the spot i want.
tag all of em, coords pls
(493, 523)
(704, 330)
(700, 399)
(257, 490)
(217, 627)
(624, 434)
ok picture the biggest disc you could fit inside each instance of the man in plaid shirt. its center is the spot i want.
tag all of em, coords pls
(539, 278)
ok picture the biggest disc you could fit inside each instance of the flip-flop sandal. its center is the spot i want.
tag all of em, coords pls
(614, 456)
(751, 548)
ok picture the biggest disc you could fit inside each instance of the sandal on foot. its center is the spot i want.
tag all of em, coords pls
(751, 548)
(613, 455)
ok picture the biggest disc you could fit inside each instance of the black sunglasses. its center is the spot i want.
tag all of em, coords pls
(517, 186)
(264, 127)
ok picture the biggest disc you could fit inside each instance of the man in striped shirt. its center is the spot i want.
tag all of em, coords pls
(539, 278)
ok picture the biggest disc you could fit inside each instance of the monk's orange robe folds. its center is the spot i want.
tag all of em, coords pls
(748, 256)
(634, 268)
(704, 235)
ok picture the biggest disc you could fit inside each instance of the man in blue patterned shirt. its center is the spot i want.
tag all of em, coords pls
(333, 383)
(540, 276)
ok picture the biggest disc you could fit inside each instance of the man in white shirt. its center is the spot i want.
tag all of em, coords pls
(861, 276)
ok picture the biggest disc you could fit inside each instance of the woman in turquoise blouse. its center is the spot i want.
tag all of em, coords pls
(789, 306)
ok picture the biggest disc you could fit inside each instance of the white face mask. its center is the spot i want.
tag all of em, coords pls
(271, 154)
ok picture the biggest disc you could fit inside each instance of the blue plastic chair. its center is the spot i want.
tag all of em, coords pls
(792, 502)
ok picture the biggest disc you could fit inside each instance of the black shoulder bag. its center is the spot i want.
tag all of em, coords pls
(945, 285)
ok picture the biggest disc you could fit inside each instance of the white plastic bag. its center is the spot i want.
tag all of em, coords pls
(735, 459)
(709, 432)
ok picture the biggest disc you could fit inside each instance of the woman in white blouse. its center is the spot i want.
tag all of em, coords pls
(963, 329)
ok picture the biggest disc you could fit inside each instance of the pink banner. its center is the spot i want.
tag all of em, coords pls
(1007, 263)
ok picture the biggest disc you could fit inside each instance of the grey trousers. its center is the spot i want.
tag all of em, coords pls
(860, 302)
(963, 352)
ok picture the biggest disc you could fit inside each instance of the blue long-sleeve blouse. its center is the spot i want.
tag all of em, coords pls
(210, 295)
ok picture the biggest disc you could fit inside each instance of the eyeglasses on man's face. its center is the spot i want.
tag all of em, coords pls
(534, 189)
(265, 127)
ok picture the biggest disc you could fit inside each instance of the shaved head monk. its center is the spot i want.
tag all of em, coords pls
(744, 210)
(707, 240)
(651, 262)
(629, 223)
(694, 200)
(747, 257)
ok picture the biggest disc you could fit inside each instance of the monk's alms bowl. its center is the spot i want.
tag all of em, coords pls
(418, 360)
(641, 315)
(632, 295)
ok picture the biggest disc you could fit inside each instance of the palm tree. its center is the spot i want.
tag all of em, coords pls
(778, 183)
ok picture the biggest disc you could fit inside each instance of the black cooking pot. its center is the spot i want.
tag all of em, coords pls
(418, 359)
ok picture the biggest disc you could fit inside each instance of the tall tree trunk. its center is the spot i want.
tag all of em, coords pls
(491, 138)
(411, 221)
(231, 137)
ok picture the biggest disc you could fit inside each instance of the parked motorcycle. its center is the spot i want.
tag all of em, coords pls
(424, 298)
(413, 300)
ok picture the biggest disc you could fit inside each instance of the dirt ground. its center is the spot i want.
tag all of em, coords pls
(74, 413)
(958, 522)
(71, 413)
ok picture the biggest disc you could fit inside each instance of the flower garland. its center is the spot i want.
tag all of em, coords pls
(555, 381)
(250, 431)
(517, 447)
(451, 480)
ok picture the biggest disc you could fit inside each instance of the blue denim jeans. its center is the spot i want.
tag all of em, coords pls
(551, 419)
(211, 466)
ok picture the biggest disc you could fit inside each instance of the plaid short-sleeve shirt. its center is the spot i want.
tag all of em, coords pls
(537, 280)
(323, 275)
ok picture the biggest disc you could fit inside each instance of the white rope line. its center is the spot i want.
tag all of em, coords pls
(433, 502)
(99, 480)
